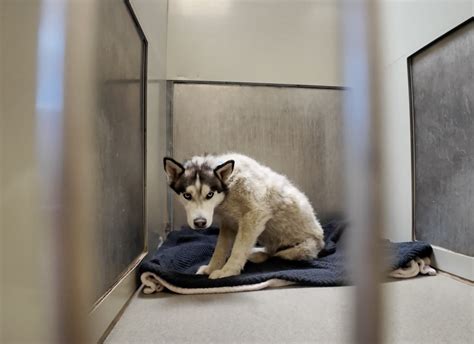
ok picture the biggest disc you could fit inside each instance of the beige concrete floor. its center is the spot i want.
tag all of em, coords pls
(421, 310)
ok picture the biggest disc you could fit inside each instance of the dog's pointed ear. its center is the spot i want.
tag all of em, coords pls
(224, 171)
(173, 168)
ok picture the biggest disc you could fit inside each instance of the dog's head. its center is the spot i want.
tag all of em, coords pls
(200, 187)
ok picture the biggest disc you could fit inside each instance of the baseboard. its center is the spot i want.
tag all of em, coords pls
(108, 309)
(453, 263)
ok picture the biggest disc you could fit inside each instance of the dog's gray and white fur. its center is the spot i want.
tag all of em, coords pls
(254, 204)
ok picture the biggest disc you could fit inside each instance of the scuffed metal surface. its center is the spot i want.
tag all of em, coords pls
(119, 134)
(443, 101)
(295, 131)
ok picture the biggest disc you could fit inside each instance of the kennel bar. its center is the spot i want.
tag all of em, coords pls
(363, 163)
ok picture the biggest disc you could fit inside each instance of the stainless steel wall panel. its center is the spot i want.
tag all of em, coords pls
(119, 141)
(442, 89)
(295, 131)
(157, 218)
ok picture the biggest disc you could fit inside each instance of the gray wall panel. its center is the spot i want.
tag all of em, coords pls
(119, 135)
(295, 131)
(443, 102)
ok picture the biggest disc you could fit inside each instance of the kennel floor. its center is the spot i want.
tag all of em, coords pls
(437, 309)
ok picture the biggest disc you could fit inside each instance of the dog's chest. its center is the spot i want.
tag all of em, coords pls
(234, 206)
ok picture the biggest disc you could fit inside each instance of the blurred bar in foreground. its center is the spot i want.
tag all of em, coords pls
(363, 164)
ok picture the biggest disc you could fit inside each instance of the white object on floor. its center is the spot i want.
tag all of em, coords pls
(415, 267)
(153, 283)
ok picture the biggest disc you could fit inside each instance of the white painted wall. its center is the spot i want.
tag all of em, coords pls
(153, 18)
(406, 26)
(269, 41)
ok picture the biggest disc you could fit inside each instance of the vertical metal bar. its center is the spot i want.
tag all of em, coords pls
(143, 109)
(25, 310)
(363, 163)
(76, 220)
(169, 149)
(49, 105)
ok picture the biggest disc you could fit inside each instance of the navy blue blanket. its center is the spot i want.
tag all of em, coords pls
(184, 251)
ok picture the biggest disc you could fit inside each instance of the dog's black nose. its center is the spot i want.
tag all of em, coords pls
(200, 222)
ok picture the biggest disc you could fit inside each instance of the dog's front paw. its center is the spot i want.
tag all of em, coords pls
(223, 273)
(203, 270)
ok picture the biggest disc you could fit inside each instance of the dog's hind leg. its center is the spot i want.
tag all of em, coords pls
(305, 250)
(258, 255)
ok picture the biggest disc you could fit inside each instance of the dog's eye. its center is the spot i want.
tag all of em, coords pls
(187, 196)
(209, 195)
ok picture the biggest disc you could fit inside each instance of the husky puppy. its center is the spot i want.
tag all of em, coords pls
(254, 204)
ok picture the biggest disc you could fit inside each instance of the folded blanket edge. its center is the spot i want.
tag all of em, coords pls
(153, 283)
